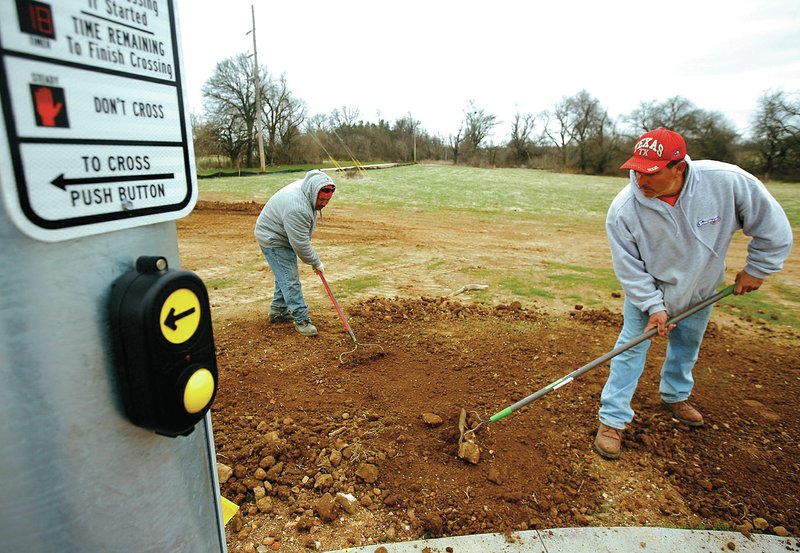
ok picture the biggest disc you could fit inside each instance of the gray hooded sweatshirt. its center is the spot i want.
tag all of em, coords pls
(288, 219)
(669, 258)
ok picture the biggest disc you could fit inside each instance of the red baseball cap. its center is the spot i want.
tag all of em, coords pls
(654, 150)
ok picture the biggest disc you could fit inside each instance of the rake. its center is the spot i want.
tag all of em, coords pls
(464, 431)
(349, 330)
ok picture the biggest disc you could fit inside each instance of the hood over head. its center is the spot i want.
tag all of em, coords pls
(312, 183)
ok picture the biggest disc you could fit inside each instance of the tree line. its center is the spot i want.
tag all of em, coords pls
(577, 134)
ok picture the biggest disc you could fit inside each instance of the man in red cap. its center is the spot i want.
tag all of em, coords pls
(669, 232)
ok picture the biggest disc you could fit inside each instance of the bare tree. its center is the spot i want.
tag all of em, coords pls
(776, 134)
(677, 114)
(708, 134)
(404, 133)
(492, 150)
(344, 118)
(641, 119)
(587, 118)
(478, 126)
(520, 144)
(713, 137)
(232, 138)
(316, 123)
(454, 141)
(580, 129)
(283, 117)
(205, 141)
(558, 129)
(229, 101)
(605, 143)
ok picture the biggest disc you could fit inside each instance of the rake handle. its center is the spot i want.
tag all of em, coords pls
(603, 358)
(336, 306)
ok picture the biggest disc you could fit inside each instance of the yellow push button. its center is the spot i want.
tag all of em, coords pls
(198, 391)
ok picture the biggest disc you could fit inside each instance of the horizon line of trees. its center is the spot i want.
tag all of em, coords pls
(577, 134)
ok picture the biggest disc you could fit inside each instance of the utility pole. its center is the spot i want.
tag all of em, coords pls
(259, 124)
(414, 127)
(413, 136)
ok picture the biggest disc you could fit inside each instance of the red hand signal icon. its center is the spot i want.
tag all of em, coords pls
(46, 107)
(50, 105)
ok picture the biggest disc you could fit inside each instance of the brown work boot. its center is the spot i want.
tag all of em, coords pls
(279, 316)
(608, 441)
(684, 412)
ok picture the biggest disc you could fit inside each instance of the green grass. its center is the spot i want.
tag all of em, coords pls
(524, 288)
(218, 282)
(718, 527)
(429, 188)
(346, 287)
(517, 284)
(568, 277)
(759, 306)
(788, 195)
(572, 283)
(578, 284)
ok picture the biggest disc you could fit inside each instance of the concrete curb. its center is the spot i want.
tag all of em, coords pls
(594, 540)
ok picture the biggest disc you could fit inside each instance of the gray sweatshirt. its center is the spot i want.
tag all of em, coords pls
(669, 258)
(288, 219)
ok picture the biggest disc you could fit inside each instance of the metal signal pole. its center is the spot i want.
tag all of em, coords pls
(259, 123)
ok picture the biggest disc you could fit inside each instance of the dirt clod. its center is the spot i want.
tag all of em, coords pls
(760, 524)
(470, 452)
(431, 419)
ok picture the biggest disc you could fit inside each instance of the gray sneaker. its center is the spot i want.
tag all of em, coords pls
(305, 328)
(276, 316)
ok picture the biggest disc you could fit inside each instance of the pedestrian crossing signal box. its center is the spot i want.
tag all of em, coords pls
(164, 345)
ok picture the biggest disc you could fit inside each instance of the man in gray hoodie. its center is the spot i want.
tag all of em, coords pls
(669, 232)
(283, 231)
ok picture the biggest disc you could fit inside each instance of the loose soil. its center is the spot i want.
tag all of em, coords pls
(326, 454)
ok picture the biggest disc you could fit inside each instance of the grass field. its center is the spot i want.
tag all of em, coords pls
(446, 187)
(575, 202)
(440, 187)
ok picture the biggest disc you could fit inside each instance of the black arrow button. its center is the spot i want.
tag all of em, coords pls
(172, 318)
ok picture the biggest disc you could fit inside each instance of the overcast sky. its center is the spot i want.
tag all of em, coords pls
(429, 59)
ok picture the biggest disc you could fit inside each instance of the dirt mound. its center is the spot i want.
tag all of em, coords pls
(328, 455)
(253, 208)
(381, 310)
(600, 317)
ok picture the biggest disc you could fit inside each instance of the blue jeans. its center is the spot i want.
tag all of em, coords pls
(676, 385)
(288, 294)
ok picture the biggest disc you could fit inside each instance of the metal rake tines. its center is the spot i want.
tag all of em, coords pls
(481, 422)
(357, 345)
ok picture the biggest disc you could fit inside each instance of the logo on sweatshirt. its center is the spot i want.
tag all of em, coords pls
(710, 221)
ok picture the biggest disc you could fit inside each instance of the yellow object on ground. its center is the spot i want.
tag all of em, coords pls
(229, 508)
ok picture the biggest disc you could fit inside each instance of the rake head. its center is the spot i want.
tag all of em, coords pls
(357, 346)
(468, 448)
